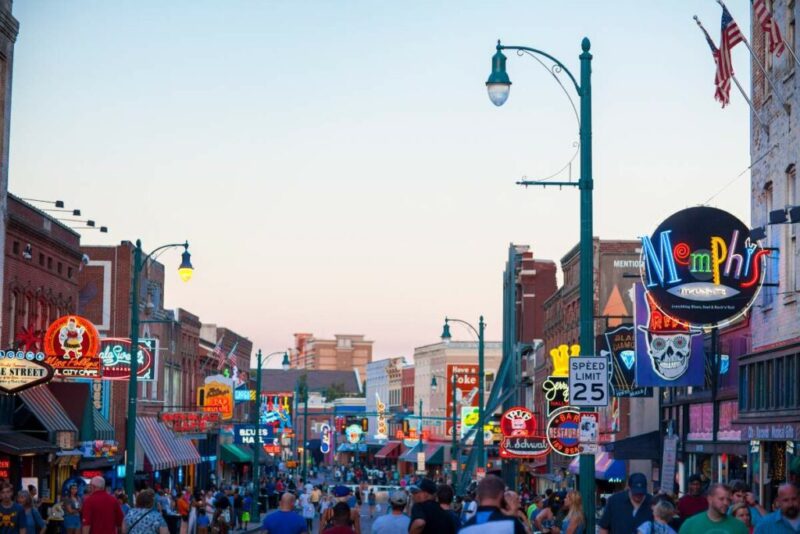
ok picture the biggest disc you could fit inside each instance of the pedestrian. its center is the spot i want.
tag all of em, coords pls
(238, 502)
(786, 519)
(284, 520)
(740, 493)
(627, 509)
(742, 512)
(427, 517)
(694, 501)
(395, 522)
(546, 519)
(340, 521)
(308, 510)
(34, 524)
(144, 518)
(36, 502)
(490, 496)
(72, 510)
(663, 514)
(715, 519)
(102, 513)
(371, 502)
(182, 506)
(444, 496)
(12, 515)
(340, 494)
(513, 507)
(469, 507)
(202, 518)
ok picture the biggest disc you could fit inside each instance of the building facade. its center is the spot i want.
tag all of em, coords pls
(343, 353)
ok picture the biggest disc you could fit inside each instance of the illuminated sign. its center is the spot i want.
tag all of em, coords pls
(243, 395)
(99, 448)
(561, 356)
(353, 433)
(469, 418)
(5, 467)
(72, 346)
(325, 442)
(701, 268)
(383, 431)
(246, 435)
(21, 370)
(556, 392)
(519, 439)
(563, 431)
(466, 378)
(191, 422)
(276, 411)
(115, 356)
(620, 348)
(216, 396)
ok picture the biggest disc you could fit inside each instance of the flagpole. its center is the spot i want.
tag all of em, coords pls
(789, 48)
(777, 93)
(738, 85)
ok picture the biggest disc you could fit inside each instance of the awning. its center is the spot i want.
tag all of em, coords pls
(17, 443)
(350, 447)
(102, 428)
(233, 454)
(434, 453)
(93, 464)
(390, 450)
(45, 407)
(163, 449)
(410, 455)
(605, 467)
(641, 447)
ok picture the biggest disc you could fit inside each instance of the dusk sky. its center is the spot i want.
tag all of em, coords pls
(337, 166)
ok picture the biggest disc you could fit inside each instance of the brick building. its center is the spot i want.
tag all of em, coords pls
(407, 388)
(343, 353)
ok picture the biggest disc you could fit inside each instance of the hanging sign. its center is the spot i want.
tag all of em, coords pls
(98, 448)
(620, 349)
(20, 370)
(72, 346)
(563, 431)
(466, 392)
(668, 353)
(276, 411)
(519, 439)
(353, 433)
(325, 441)
(383, 431)
(701, 268)
(191, 422)
(556, 392)
(245, 434)
(216, 396)
(115, 355)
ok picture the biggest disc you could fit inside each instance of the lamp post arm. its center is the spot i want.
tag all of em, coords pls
(465, 323)
(147, 258)
(548, 56)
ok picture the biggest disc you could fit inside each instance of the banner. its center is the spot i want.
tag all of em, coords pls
(72, 346)
(466, 392)
(618, 344)
(667, 353)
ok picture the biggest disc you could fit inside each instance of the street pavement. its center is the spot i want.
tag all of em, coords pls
(366, 523)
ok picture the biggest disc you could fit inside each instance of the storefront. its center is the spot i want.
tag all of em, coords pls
(236, 462)
(163, 458)
(774, 454)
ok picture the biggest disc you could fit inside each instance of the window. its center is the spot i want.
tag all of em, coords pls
(12, 318)
(780, 398)
(769, 291)
(49, 262)
(60, 267)
(69, 272)
(790, 381)
(792, 280)
(15, 247)
(41, 259)
(789, 37)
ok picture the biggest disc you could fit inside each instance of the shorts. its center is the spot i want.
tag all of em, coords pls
(72, 521)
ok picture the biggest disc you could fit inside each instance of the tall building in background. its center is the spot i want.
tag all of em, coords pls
(343, 353)
(9, 28)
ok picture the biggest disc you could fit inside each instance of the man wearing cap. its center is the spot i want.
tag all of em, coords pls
(395, 522)
(693, 502)
(715, 520)
(628, 509)
(427, 517)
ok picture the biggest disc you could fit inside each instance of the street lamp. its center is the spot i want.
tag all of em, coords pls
(454, 444)
(479, 332)
(256, 418)
(185, 271)
(498, 86)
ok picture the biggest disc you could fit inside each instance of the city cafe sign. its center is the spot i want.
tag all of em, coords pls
(20, 370)
(71, 346)
(115, 355)
(701, 268)
(519, 439)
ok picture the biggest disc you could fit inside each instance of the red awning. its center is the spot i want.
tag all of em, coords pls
(390, 450)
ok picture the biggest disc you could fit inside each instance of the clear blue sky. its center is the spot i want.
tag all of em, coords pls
(337, 166)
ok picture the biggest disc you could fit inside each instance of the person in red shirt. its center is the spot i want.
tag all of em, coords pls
(693, 502)
(102, 513)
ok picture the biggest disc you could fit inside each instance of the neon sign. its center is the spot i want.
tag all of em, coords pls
(563, 431)
(701, 267)
(325, 443)
(71, 345)
(115, 355)
(519, 439)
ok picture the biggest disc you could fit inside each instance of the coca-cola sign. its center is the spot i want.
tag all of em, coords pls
(115, 355)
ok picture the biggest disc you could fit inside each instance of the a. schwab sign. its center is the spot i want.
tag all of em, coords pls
(115, 355)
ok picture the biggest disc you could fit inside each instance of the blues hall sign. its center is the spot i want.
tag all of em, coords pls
(701, 268)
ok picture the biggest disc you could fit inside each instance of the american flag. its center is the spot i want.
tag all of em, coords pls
(730, 37)
(723, 91)
(770, 26)
(218, 353)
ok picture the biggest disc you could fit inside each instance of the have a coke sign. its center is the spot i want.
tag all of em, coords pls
(115, 355)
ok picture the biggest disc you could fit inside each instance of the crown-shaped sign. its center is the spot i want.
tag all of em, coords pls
(561, 356)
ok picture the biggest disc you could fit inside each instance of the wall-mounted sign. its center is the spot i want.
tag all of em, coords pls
(244, 395)
(5, 467)
(563, 431)
(469, 418)
(701, 267)
(518, 427)
(466, 377)
(216, 396)
(325, 441)
(72, 347)
(276, 411)
(191, 422)
(620, 347)
(115, 356)
(21, 370)
(245, 434)
(668, 353)
(383, 431)
(353, 433)
(556, 392)
(99, 448)
(561, 356)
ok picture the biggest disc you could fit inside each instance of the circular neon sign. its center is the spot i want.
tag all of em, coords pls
(563, 431)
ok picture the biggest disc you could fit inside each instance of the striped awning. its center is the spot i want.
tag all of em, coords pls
(45, 407)
(390, 450)
(164, 450)
(18, 443)
(102, 428)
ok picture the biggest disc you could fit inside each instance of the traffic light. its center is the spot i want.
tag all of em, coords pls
(364, 424)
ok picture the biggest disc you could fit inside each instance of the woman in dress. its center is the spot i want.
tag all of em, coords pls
(72, 510)
(145, 518)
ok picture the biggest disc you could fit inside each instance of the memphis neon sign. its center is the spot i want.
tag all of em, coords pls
(701, 267)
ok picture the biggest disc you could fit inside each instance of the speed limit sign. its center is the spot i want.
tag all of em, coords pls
(588, 381)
